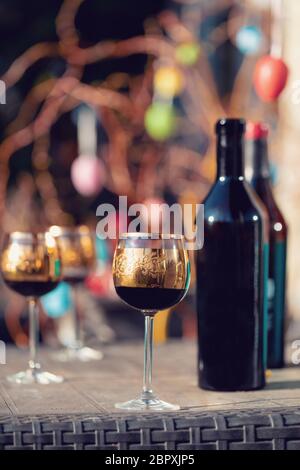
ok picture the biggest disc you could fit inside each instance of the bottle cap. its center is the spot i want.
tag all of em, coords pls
(256, 130)
(230, 126)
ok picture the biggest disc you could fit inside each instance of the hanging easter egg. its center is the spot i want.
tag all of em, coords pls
(187, 53)
(88, 175)
(270, 77)
(168, 81)
(57, 302)
(160, 121)
(249, 39)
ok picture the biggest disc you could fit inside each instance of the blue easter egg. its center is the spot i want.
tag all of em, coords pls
(249, 39)
(57, 302)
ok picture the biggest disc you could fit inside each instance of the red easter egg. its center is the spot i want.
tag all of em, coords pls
(270, 76)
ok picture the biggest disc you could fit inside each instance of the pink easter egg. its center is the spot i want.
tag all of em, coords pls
(88, 175)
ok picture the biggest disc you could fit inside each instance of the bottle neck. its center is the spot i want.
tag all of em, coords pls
(230, 155)
(257, 162)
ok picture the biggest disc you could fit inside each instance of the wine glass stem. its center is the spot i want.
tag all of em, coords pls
(76, 319)
(33, 333)
(148, 347)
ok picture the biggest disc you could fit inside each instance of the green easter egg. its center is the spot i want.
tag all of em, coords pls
(188, 53)
(160, 121)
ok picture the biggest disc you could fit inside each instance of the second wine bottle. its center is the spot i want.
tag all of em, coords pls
(258, 174)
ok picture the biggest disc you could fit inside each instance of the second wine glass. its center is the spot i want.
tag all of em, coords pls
(78, 256)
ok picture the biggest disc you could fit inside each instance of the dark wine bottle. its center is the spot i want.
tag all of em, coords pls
(231, 273)
(258, 174)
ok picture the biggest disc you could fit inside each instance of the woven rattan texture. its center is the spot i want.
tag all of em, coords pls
(264, 429)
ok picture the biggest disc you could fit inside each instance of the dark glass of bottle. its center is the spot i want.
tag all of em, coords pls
(258, 174)
(231, 269)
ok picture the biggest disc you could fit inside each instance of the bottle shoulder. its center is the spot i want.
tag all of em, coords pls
(232, 199)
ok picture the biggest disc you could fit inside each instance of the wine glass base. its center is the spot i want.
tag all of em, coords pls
(150, 403)
(31, 376)
(82, 354)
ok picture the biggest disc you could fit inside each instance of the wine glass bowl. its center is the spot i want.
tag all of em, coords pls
(31, 266)
(151, 272)
(30, 263)
(150, 276)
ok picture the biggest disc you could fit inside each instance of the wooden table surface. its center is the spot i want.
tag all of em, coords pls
(94, 387)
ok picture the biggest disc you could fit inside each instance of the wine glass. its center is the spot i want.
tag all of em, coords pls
(31, 266)
(151, 272)
(77, 248)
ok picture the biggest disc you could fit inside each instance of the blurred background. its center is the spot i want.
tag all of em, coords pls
(107, 98)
